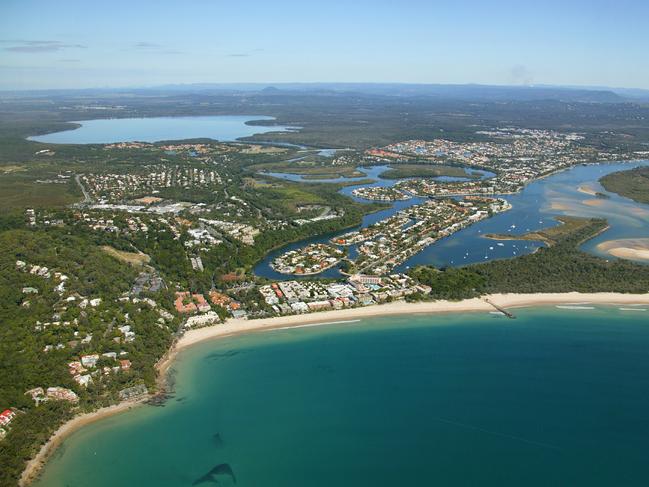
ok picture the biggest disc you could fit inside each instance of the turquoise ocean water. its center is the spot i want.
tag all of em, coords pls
(553, 398)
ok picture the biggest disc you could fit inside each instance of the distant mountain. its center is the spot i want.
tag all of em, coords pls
(457, 92)
(468, 92)
(633, 93)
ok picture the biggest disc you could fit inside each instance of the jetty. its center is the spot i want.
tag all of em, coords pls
(501, 309)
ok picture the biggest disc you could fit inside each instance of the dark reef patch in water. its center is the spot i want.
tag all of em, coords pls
(220, 355)
(211, 476)
(217, 440)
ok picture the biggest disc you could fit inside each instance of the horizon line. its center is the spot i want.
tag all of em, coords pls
(307, 83)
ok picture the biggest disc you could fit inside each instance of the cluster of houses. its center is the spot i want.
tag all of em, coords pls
(389, 242)
(296, 297)
(380, 193)
(39, 395)
(224, 301)
(187, 303)
(239, 231)
(45, 273)
(517, 156)
(42, 271)
(117, 187)
(201, 237)
(312, 259)
(83, 370)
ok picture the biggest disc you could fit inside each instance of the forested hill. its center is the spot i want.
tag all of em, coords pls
(61, 298)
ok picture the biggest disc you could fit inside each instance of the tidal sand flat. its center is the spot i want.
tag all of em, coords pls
(593, 202)
(629, 248)
(587, 189)
(458, 399)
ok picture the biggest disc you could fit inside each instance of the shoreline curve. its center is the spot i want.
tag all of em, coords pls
(233, 327)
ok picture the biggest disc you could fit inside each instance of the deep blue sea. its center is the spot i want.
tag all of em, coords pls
(552, 398)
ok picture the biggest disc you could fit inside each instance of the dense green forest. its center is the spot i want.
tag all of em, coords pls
(633, 183)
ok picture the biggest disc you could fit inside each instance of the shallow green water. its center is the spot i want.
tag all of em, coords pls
(555, 397)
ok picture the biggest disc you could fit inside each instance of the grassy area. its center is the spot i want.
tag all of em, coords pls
(425, 171)
(633, 183)
(131, 258)
(21, 191)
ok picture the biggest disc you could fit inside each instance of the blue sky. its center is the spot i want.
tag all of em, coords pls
(76, 44)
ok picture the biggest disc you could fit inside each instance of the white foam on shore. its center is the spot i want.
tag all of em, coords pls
(632, 309)
(576, 307)
(309, 325)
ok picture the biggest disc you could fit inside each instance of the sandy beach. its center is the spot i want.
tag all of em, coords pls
(35, 465)
(234, 327)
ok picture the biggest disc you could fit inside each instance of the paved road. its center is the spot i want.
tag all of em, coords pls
(86, 197)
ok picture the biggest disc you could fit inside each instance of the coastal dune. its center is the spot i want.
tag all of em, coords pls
(342, 317)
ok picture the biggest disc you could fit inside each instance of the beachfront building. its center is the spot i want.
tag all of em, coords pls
(363, 279)
(199, 321)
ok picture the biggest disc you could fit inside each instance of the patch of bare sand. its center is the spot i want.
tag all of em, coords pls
(584, 188)
(629, 248)
(593, 202)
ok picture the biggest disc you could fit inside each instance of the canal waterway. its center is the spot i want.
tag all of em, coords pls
(534, 208)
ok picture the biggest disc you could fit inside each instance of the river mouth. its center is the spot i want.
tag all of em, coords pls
(224, 128)
(533, 208)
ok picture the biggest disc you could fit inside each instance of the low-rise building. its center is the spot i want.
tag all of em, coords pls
(6, 417)
(61, 394)
(209, 318)
(89, 360)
